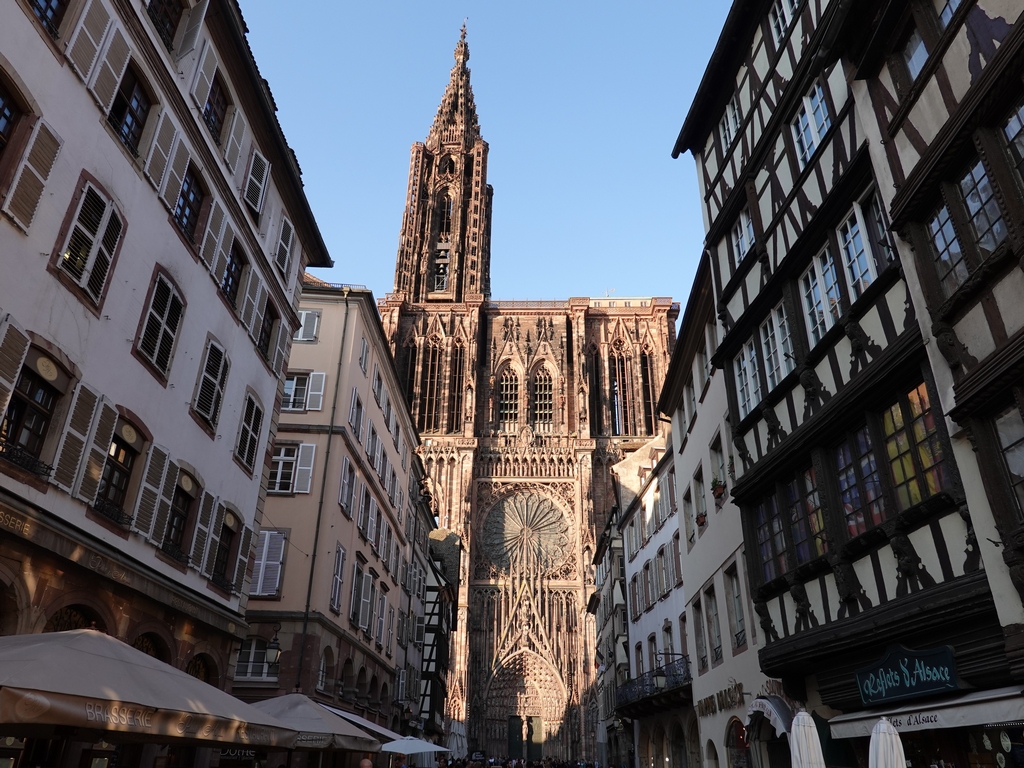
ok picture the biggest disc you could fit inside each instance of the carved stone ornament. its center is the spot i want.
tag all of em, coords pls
(526, 532)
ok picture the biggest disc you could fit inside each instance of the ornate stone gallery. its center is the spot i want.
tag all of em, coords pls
(522, 407)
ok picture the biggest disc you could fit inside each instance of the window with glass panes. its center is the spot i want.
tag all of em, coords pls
(806, 518)
(729, 127)
(216, 108)
(252, 660)
(777, 347)
(914, 53)
(820, 288)
(810, 125)
(771, 538)
(748, 381)
(295, 388)
(714, 625)
(856, 256)
(508, 401)
(190, 201)
(166, 14)
(28, 415)
(232, 277)
(267, 327)
(913, 448)
(779, 18)
(1010, 432)
(282, 468)
(732, 580)
(949, 258)
(181, 506)
(948, 9)
(859, 480)
(698, 636)
(225, 548)
(543, 401)
(130, 110)
(117, 473)
(742, 236)
(983, 211)
(50, 13)
(1013, 131)
(9, 114)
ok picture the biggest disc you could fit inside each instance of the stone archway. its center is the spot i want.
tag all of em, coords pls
(525, 692)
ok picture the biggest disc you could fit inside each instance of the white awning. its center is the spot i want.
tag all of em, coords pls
(363, 722)
(775, 709)
(998, 705)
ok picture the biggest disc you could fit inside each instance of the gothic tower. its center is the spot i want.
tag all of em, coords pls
(522, 408)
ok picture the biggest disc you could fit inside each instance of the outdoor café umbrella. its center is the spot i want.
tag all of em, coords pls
(318, 728)
(89, 681)
(886, 748)
(804, 744)
(408, 745)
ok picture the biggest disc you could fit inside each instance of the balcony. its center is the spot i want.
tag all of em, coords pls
(13, 453)
(665, 687)
(174, 552)
(112, 512)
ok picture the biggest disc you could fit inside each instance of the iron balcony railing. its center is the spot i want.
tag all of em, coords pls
(11, 452)
(112, 512)
(173, 551)
(671, 676)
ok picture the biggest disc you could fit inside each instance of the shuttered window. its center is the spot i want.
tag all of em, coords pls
(295, 389)
(309, 324)
(130, 109)
(160, 331)
(282, 469)
(30, 178)
(232, 277)
(89, 251)
(9, 114)
(266, 573)
(255, 189)
(190, 202)
(282, 255)
(165, 15)
(348, 486)
(212, 378)
(50, 14)
(27, 419)
(337, 578)
(249, 432)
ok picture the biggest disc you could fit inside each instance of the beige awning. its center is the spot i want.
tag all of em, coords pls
(87, 680)
(362, 722)
(997, 705)
(318, 728)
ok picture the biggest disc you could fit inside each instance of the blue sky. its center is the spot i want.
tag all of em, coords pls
(579, 102)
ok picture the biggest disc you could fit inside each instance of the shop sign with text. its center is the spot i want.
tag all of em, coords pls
(905, 674)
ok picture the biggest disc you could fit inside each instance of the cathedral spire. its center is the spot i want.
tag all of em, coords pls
(456, 121)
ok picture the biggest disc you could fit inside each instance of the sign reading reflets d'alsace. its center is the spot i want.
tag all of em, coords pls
(905, 674)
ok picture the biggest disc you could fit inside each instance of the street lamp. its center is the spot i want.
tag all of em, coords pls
(273, 654)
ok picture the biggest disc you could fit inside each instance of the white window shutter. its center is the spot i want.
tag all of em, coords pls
(201, 537)
(163, 507)
(101, 434)
(14, 343)
(86, 40)
(252, 291)
(149, 491)
(364, 603)
(282, 256)
(281, 348)
(30, 177)
(346, 483)
(211, 549)
(160, 152)
(255, 189)
(233, 146)
(258, 313)
(193, 27)
(371, 525)
(242, 562)
(211, 384)
(315, 394)
(227, 239)
(211, 238)
(175, 174)
(111, 69)
(250, 432)
(352, 408)
(338, 577)
(204, 76)
(75, 437)
(304, 468)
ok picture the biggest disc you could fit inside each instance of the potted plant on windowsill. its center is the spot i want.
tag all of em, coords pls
(717, 488)
(701, 519)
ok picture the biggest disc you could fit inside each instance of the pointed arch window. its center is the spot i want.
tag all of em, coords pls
(595, 394)
(508, 401)
(620, 373)
(409, 360)
(649, 393)
(543, 400)
(430, 387)
(457, 384)
(445, 206)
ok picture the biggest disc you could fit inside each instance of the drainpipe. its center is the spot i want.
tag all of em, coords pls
(323, 489)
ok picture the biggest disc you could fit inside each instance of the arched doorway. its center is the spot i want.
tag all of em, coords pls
(712, 755)
(74, 617)
(524, 693)
(677, 747)
(202, 667)
(738, 753)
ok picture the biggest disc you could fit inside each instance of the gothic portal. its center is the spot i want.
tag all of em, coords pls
(522, 408)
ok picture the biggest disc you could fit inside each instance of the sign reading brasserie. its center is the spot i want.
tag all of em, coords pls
(905, 674)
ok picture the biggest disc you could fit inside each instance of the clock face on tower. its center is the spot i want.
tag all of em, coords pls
(526, 533)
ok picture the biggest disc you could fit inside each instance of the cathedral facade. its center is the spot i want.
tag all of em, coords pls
(522, 408)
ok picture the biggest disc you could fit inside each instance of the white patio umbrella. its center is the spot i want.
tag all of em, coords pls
(886, 748)
(408, 745)
(804, 744)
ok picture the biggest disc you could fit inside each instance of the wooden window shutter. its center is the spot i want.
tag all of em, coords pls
(242, 563)
(30, 177)
(149, 492)
(111, 69)
(304, 468)
(258, 314)
(211, 549)
(371, 524)
(163, 318)
(202, 533)
(163, 507)
(193, 27)
(160, 152)
(204, 76)
(315, 393)
(211, 384)
(266, 572)
(99, 446)
(75, 438)
(85, 42)
(252, 291)
(284, 245)
(346, 484)
(14, 343)
(175, 174)
(249, 434)
(255, 189)
(339, 577)
(364, 602)
(233, 146)
(211, 239)
(281, 348)
(92, 242)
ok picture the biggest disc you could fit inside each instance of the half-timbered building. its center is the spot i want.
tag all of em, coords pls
(858, 530)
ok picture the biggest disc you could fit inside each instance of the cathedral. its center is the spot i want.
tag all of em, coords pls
(522, 409)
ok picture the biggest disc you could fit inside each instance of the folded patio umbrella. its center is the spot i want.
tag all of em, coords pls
(409, 745)
(318, 728)
(84, 679)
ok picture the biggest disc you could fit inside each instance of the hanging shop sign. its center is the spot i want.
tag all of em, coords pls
(905, 674)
